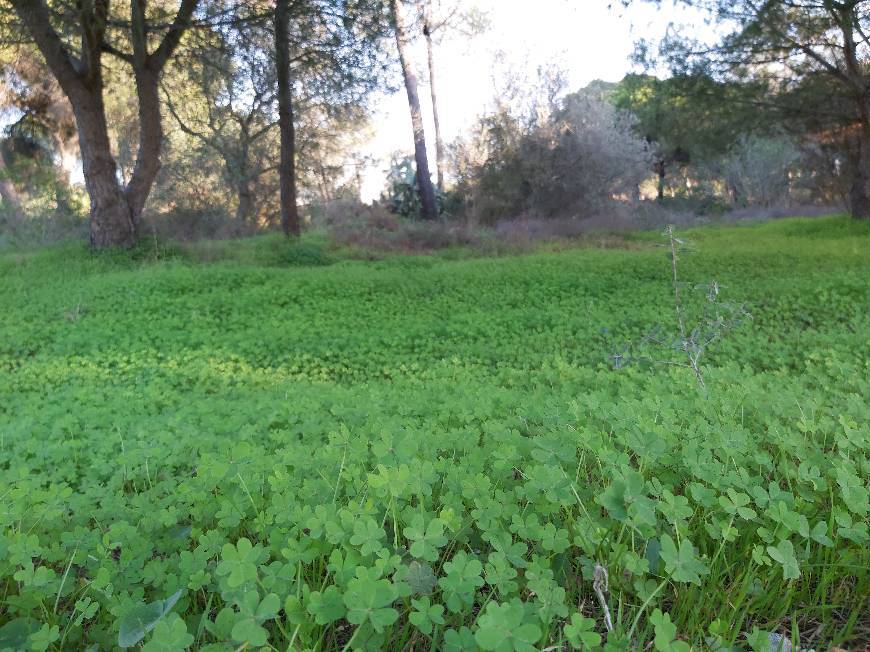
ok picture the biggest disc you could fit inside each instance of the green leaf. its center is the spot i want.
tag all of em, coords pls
(239, 563)
(502, 627)
(367, 536)
(15, 634)
(426, 540)
(666, 634)
(367, 600)
(248, 630)
(420, 578)
(500, 574)
(783, 554)
(326, 607)
(142, 619)
(581, 633)
(426, 616)
(682, 565)
(459, 641)
(462, 580)
(170, 635)
(819, 534)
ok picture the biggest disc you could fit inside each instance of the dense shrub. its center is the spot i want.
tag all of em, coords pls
(185, 223)
(575, 161)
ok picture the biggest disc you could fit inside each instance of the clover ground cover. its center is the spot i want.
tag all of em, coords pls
(420, 453)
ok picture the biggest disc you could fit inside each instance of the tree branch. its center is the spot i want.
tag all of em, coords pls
(35, 16)
(182, 22)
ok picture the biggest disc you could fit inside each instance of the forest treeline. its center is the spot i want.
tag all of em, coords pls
(222, 118)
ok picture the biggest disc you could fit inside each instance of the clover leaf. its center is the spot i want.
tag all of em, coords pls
(666, 634)
(581, 633)
(426, 539)
(327, 606)
(170, 635)
(682, 565)
(460, 583)
(503, 627)
(783, 554)
(367, 536)
(367, 600)
(239, 563)
(426, 615)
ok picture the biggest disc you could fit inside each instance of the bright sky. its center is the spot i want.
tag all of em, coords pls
(589, 39)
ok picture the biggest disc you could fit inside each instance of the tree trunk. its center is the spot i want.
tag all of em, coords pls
(424, 181)
(114, 210)
(150, 142)
(62, 189)
(245, 208)
(324, 186)
(110, 219)
(660, 170)
(287, 167)
(859, 196)
(11, 199)
(855, 81)
(439, 142)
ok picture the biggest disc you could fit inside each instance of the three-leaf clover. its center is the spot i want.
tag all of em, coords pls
(326, 606)
(426, 538)
(666, 634)
(368, 598)
(426, 616)
(736, 503)
(367, 536)
(502, 627)
(500, 574)
(682, 565)
(819, 534)
(783, 554)
(461, 640)
(170, 635)
(581, 633)
(239, 563)
(462, 579)
(253, 612)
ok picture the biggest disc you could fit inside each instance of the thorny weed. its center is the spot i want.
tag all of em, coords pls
(691, 341)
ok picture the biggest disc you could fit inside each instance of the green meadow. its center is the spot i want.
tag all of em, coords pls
(287, 448)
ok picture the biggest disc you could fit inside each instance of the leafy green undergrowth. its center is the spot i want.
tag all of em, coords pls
(417, 453)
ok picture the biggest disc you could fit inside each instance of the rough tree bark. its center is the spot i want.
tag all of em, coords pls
(246, 208)
(287, 167)
(429, 207)
(854, 78)
(111, 221)
(11, 199)
(859, 195)
(430, 55)
(115, 210)
(660, 169)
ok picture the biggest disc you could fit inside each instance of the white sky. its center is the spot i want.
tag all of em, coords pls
(589, 39)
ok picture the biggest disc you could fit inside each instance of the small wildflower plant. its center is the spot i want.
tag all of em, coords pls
(687, 345)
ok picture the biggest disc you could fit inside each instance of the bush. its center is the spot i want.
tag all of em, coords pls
(576, 162)
(301, 254)
(759, 171)
(186, 224)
